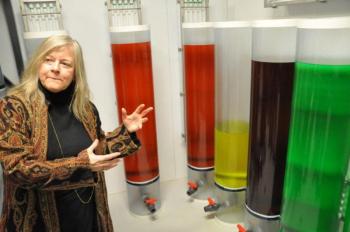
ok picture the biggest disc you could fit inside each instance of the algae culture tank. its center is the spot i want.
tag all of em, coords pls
(232, 97)
(131, 51)
(198, 46)
(273, 59)
(319, 148)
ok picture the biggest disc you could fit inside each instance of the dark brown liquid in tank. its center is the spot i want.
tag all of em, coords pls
(271, 97)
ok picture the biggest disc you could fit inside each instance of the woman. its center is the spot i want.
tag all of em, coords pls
(51, 146)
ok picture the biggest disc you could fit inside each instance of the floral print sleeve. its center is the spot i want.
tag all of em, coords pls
(17, 156)
(119, 140)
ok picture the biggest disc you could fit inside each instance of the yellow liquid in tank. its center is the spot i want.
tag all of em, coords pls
(231, 154)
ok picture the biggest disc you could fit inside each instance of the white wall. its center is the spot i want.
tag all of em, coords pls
(254, 9)
(87, 22)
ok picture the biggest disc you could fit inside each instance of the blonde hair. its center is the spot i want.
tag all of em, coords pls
(29, 88)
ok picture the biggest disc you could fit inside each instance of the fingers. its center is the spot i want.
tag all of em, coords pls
(103, 166)
(124, 113)
(146, 111)
(144, 120)
(111, 156)
(139, 108)
(93, 146)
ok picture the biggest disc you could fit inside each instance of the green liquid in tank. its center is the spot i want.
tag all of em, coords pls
(318, 149)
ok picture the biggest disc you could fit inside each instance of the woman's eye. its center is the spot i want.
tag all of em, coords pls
(48, 60)
(67, 64)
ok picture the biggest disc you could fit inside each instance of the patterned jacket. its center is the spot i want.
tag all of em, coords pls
(29, 178)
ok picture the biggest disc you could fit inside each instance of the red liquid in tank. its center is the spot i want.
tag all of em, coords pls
(199, 86)
(134, 85)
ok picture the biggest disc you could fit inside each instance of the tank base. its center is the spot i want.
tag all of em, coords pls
(205, 181)
(139, 193)
(232, 204)
(261, 223)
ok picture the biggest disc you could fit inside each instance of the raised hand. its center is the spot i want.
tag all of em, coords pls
(101, 162)
(134, 121)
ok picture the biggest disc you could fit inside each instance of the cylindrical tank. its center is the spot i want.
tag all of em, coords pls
(318, 148)
(273, 59)
(198, 47)
(232, 96)
(131, 51)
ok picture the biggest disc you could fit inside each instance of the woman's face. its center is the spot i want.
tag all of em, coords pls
(56, 73)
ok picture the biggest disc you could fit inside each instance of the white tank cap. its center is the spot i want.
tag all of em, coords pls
(325, 23)
(275, 23)
(198, 25)
(133, 28)
(232, 24)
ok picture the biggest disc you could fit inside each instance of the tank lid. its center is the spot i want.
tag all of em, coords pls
(198, 25)
(42, 34)
(275, 23)
(133, 28)
(325, 23)
(232, 24)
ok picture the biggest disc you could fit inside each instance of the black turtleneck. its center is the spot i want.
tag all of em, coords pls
(73, 215)
(70, 131)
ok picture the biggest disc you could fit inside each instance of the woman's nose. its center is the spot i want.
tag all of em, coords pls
(55, 67)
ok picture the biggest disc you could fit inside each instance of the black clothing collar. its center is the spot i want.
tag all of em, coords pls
(61, 98)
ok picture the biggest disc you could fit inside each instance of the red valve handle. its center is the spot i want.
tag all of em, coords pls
(211, 201)
(151, 201)
(192, 185)
(241, 228)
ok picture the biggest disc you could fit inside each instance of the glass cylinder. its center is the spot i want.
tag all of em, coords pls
(273, 58)
(232, 65)
(131, 51)
(319, 148)
(198, 43)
